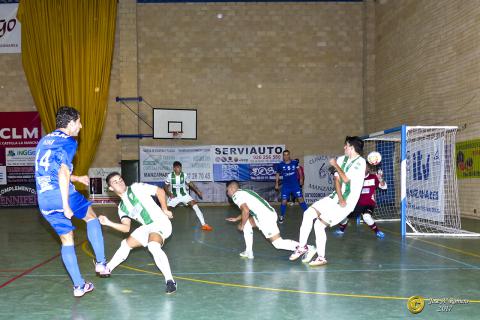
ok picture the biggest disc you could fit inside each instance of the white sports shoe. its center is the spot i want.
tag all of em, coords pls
(320, 261)
(246, 254)
(310, 254)
(80, 291)
(102, 270)
(300, 251)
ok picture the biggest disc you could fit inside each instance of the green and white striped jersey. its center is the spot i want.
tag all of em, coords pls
(355, 171)
(137, 203)
(257, 205)
(178, 184)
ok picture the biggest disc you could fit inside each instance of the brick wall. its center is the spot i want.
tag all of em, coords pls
(427, 70)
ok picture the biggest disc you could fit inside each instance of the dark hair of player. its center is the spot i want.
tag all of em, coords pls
(232, 182)
(110, 176)
(65, 115)
(356, 142)
(177, 164)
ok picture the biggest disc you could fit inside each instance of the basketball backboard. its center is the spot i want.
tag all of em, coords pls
(167, 123)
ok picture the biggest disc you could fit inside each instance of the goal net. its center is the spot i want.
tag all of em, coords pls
(419, 168)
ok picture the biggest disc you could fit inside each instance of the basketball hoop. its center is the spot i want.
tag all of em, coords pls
(177, 135)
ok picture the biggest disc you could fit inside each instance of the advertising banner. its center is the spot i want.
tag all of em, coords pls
(468, 159)
(318, 180)
(246, 162)
(19, 136)
(425, 187)
(157, 162)
(99, 192)
(10, 32)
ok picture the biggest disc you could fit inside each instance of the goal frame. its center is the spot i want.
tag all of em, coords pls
(404, 222)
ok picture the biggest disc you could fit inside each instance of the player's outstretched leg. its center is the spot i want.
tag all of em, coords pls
(308, 218)
(161, 260)
(120, 255)
(373, 226)
(302, 203)
(341, 227)
(248, 237)
(95, 237)
(69, 258)
(321, 241)
(283, 211)
(198, 212)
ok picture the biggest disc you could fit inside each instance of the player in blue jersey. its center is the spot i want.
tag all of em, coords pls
(59, 201)
(289, 170)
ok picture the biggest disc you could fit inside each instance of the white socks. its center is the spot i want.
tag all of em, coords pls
(199, 214)
(320, 237)
(120, 256)
(161, 259)
(285, 244)
(248, 236)
(308, 217)
(367, 218)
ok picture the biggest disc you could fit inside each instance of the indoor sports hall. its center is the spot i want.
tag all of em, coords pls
(212, 159)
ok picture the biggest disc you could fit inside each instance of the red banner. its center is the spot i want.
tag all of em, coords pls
(20, 133)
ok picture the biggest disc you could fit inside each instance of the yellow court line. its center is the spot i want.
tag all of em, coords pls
(439, 245)
(226, 284)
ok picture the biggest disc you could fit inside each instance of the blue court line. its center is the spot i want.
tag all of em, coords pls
(277, 272)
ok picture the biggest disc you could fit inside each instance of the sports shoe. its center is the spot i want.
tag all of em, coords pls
(206, 227)
(281, 219)
(170, 287)
(246, 254)
(79, 291)
(310, 254)
(102, 270)
(320, 261)
(299, 251)
(339, 232)
(380, 234)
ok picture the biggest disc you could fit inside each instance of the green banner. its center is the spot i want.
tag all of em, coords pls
(468, 159)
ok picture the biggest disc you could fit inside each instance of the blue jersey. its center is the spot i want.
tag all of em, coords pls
(289, 172)
(52, 151)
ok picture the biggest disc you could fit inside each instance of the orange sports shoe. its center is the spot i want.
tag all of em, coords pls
(206, 227)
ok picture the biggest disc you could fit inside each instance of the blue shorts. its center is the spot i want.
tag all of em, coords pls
(61, 224)
(295, 190)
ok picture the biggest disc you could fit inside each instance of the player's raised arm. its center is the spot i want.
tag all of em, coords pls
(245, 215)
(339, 170)
(163, 202)
(192, 186)
(82, 179)
(124, 226)
(64, 183)
(277, 180)
(234, 219)
(338, 190)
(301, 176)
(382, 184)
(166, 189)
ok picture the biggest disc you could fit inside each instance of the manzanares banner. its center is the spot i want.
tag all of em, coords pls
(318, 180)
(246, 162)
(468, 159)
(157, 162)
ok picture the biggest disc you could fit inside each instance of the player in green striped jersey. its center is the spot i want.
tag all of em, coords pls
(256, 211)
(176, 189)
(137, 204)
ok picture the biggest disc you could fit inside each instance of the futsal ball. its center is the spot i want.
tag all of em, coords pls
(374, 158)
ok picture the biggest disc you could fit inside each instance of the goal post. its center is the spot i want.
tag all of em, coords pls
(418, 164)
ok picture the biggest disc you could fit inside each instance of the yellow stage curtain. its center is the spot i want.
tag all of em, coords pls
(67, 51)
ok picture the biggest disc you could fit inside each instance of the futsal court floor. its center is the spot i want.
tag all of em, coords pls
(365, 278)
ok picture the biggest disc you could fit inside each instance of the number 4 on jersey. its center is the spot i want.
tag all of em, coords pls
(43, 160)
